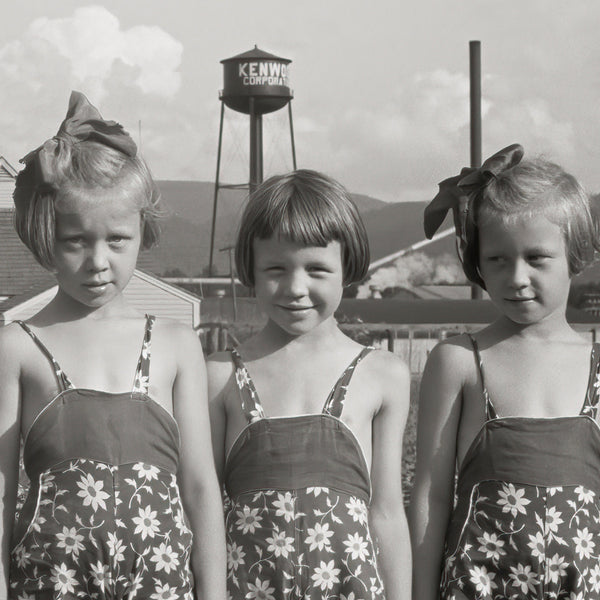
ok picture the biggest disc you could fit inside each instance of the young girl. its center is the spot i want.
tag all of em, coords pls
(105, 442)
(307, 424)
(515, 406)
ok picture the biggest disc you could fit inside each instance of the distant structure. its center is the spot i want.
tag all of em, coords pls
(254, 83)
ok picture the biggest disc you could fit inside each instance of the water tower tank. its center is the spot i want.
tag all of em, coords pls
(259, 75)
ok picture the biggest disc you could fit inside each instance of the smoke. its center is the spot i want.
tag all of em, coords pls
(413, 270)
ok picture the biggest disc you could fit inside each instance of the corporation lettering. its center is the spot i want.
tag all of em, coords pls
(263, 73)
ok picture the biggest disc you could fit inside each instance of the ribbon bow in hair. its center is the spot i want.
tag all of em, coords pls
(458, 193)
(83, 122)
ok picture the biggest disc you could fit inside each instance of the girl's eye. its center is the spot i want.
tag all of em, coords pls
(537, 258)
(72, 241)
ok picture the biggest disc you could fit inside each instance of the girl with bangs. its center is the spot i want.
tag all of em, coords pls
(306, 423)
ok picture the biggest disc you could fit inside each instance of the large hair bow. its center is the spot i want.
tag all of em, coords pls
(83, 122)
(458, 194)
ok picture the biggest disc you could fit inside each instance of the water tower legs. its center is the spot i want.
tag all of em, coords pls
(256, 147)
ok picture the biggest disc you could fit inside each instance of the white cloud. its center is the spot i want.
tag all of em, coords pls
(89, 48)
(421, 135)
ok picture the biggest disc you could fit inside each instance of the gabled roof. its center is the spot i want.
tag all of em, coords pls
(7, 167)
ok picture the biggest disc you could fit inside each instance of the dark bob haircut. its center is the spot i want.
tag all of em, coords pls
(305, 207)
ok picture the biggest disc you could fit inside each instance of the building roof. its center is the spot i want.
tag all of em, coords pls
(6, 168)
(422, 312)
(255, 53)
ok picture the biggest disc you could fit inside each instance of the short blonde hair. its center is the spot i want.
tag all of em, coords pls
(84, 166)
(305, 207)
(539, 187)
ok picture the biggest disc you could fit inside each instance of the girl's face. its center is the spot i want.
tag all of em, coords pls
(98, 237)
(525, 268)
(298, 286)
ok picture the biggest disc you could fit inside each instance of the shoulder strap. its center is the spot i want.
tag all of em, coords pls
(490, 411)
(592, 396)
(251, 405)
(334, 405)
(141, 380)
(64, 383)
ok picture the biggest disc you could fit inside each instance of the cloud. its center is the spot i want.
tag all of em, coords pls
(130, 74)
(92, 44)
(421, 135)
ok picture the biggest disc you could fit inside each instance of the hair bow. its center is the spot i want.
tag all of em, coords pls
(458, 194)
(83, 122)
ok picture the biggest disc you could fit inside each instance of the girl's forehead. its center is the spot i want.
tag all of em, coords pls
(524, 229)
(281, 246)
(78, 199)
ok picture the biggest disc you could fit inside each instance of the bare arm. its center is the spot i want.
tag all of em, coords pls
(219, 371)
(200, 489)
(9, 448)
(387, 516)
(432, 496)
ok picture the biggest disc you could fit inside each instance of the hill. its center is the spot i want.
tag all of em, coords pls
(186, 227)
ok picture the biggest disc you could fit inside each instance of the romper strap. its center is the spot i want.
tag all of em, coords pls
(141, 380)
(592, 396)
(64, 383)
(335, 401)
(251, 405)
(490, 411)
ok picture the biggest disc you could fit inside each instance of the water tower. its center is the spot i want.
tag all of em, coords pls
(254, 83)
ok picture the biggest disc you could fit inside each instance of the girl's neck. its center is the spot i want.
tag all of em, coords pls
(553, 328)
(64, 308)
(273, 338)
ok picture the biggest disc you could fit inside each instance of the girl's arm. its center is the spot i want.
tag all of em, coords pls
(219, 371)
(386, 515)
(200, 489)
(432, 496)
(9, 448)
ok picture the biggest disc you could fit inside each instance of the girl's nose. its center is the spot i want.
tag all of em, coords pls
(97, 258)
(296, 285)
(519, 277)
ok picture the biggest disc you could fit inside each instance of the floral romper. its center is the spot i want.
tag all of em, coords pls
(527, 519)
(103, 517)
(297, 526)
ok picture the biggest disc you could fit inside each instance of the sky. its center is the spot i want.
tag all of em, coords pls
(381, 88)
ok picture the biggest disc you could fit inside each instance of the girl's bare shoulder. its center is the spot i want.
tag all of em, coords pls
(388, 376)
(453, 359)
(14, 345)
(175, 335)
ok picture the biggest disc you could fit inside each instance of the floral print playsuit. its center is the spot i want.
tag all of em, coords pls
(103, 517)
(527, 520)
(297, 526)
